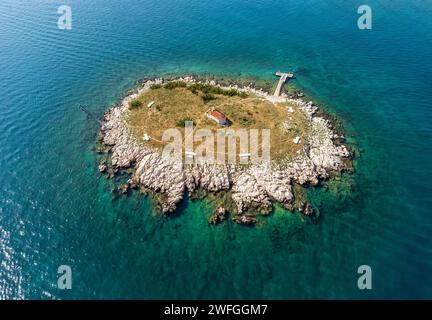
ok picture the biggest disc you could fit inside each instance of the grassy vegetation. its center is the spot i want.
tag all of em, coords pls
(207, 89)
(178, 103)
(227, 80)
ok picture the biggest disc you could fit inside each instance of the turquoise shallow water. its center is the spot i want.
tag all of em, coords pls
(56, 209)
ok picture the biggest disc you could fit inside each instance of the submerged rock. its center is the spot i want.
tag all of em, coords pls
(103, 167)
(306, 209)
(124, 188)
(245, 219)
(218, 215)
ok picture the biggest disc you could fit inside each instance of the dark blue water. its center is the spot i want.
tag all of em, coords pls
(56, 209)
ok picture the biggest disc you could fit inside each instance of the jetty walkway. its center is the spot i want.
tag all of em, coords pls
(283, 78)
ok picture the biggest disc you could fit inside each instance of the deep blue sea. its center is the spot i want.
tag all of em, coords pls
(56, 209)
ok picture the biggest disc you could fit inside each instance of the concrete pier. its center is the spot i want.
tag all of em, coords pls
(282, 80)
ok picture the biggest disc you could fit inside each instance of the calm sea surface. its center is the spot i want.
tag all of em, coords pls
(56, 209)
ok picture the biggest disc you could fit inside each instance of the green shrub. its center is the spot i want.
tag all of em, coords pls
(175, 84)
(198, 87)
(245, 121)
(155, 86)
(234, 92)
(216, 90)
(231, 93)
(208, 97)
(182, 122)
(135, 104)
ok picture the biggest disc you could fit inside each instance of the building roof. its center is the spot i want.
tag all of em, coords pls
(218, 115)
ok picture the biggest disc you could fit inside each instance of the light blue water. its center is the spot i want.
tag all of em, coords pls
(56, 209)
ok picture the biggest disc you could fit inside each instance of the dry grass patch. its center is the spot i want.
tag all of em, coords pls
(173, 106)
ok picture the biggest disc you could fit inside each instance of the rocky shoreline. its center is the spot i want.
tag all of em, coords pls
(253, 188)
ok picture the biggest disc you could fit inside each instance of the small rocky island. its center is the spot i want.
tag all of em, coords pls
(304, 146)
